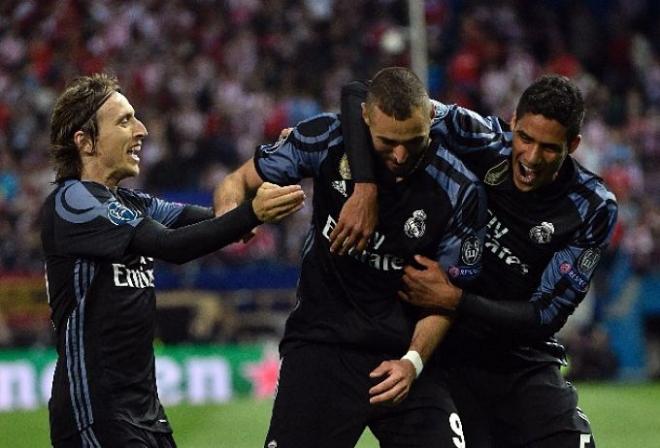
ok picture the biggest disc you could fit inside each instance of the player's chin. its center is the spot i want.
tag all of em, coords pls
(401, 171)
(131, 170)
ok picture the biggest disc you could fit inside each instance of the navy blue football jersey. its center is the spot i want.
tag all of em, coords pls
(541, 246)
(351, 300)
(103, 307)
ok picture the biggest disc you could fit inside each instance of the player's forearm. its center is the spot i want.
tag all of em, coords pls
(506, 315)
(232, 191)
(186, 243)
(429, 332)
(192, 214)
(357, 141)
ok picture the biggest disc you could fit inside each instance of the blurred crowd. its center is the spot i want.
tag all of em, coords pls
(213, 79)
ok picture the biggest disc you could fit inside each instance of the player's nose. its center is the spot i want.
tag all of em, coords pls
(400, 154)
(534, 155)
(141, 129)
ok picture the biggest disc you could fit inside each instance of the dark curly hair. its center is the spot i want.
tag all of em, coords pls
(396, 91)
(75, 110)
(557, 98)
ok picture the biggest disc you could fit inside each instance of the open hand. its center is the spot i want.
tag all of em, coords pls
(272, 202)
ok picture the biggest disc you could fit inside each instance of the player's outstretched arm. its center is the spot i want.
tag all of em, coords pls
(271, 203)
(236, 187)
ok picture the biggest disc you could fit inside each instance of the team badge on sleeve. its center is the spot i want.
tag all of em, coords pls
(120, 214)
(415, 225)
(588, 260)
(471, 250)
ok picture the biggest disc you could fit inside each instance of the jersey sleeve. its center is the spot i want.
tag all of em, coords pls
(185, 243)
(92, 226)
(566, 278)
(466, 132)
(301, 154)
(460, 250)
(174, 214)
(357, 141)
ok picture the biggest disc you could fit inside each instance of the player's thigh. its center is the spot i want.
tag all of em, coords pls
(473, 410)
(566, 439)
(427, 418)
(542, 404)
(321, 401)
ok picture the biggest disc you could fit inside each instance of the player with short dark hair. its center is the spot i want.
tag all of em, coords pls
(349, 345)
(549, 221)
(100, 241)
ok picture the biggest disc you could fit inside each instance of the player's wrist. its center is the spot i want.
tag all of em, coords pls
(458, 298)
(416, 360)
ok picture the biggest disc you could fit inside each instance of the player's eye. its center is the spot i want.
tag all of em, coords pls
(553, 149)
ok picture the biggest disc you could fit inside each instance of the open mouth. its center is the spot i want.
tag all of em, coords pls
(526, 174)
(133, 152)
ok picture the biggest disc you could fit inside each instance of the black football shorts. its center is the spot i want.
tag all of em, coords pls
(528, 405)
(323, 401)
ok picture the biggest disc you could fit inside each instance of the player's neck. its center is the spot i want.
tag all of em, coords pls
(94, 173)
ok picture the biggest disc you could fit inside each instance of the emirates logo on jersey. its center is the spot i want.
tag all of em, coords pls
(542, 234)
(415, 225)
(340, 186)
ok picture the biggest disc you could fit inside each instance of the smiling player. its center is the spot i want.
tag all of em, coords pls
(549, 220)
(100, 241)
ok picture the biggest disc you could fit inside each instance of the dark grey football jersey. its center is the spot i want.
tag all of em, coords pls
(103, 307)
(351, 300)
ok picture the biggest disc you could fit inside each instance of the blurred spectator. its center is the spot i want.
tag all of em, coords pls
(590, 355)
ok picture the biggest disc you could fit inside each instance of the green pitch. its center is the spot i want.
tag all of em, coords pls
(621, 415)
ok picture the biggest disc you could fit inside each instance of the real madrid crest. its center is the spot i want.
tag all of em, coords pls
(415, 225)
(344, 168)
(542, 234)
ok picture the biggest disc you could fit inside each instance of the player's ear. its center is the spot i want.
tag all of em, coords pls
(365, 113)
(573, 144)
(83, 142)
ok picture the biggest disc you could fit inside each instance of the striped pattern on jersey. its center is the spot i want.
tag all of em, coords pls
(83, 277)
